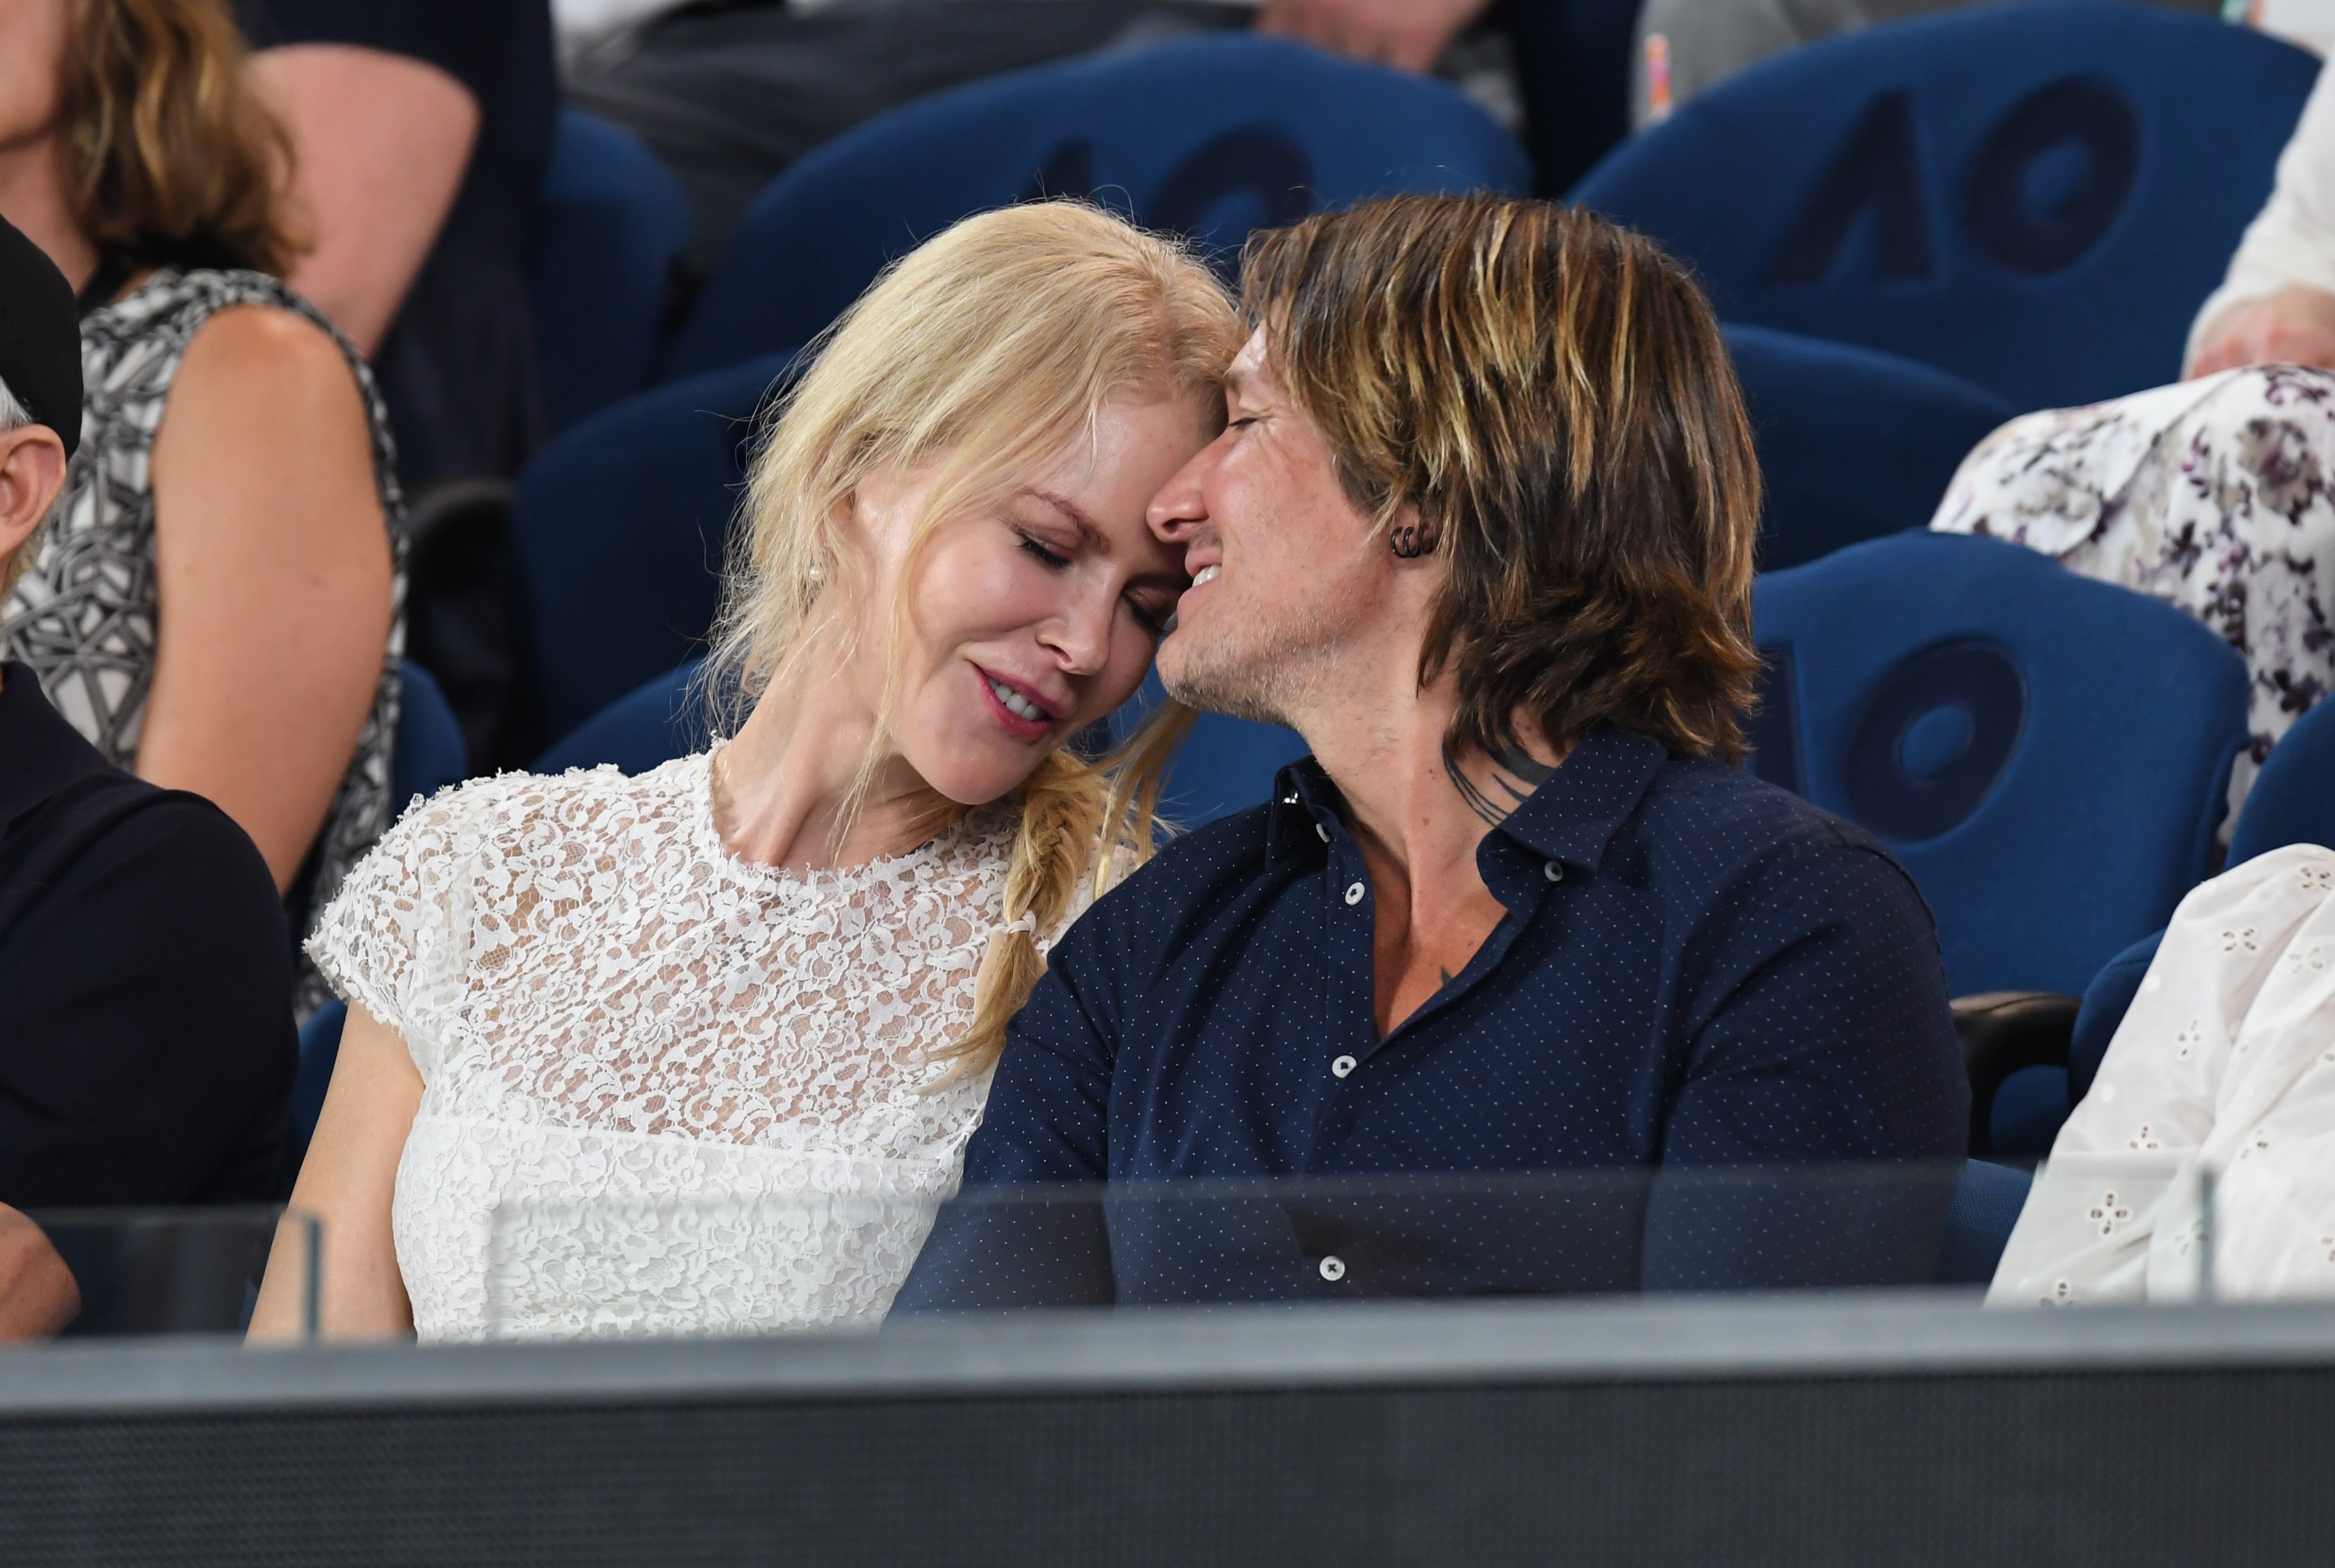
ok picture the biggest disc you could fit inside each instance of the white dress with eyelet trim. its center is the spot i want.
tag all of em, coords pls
(666, 1090)
(2224, 1063)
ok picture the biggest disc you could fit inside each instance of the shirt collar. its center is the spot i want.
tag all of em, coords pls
(1574, 815)
(1571, 818)
(40, 753)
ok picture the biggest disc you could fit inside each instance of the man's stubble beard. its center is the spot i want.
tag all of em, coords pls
(1264, 677)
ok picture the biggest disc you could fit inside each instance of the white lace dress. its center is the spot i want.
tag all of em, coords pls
(665, 1090)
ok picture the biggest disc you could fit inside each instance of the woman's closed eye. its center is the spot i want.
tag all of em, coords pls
(1053, 559)
(1152, 611)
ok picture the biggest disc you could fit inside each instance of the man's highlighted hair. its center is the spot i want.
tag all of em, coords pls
(1550, 393)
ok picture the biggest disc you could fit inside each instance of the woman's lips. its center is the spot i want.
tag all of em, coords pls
(1013, 723)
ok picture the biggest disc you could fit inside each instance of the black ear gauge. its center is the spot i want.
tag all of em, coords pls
(1411, 541)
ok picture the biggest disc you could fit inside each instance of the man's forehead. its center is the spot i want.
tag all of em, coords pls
(1249, 371)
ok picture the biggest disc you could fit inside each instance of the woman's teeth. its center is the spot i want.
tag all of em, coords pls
(1015, 703)
(1206, 574)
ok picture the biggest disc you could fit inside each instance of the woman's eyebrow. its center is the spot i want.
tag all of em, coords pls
(1089, 532)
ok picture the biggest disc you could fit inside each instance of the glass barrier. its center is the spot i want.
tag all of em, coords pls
(646, 1267)
(2120, 1228)
(140, 1272)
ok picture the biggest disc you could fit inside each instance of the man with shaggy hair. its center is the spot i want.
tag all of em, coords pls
(1480, 528)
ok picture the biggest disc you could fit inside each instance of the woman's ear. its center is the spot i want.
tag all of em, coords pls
(32, 473)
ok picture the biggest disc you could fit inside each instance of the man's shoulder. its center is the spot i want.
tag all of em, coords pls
(113, 828)
(1719, 815)
(1193, 871)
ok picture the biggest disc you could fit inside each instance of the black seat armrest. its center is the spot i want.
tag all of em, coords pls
(2003, 1032)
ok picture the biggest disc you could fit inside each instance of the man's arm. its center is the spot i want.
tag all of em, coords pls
(1823, 1114)
(1007, 1241)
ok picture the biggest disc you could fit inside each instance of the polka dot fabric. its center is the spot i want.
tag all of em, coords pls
(1695, 970)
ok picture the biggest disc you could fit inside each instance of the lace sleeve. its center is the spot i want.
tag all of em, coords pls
(396, 940)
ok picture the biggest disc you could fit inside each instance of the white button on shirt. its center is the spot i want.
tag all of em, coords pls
(1343, 1066)
(1354, 892)
(1553, 871)
(1325, 832)
(1333, 1268)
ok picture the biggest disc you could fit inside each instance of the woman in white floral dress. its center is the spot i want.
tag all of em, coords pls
(698, 1052)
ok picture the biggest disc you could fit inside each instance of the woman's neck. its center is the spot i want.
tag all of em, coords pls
(785, 781)
(33, 197)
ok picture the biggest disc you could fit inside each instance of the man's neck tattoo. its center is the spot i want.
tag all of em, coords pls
(1510, 761)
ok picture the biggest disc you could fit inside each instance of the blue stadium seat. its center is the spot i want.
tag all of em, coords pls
(1206, 136)
(643, 730)
(1985, 1208)
(2046, 754)
(428, 753)
(610, 225)
(619, 529)
(2034, 196)
(1226, 765)
(1853, 443)
(320, 1048)
(2293, 801)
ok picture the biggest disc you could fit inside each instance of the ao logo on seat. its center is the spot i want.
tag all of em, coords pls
(1935, 735)
(2047, 182)
(1933, 741)
(1258, 167)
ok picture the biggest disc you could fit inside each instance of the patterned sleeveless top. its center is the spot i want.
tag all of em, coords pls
(83, 617)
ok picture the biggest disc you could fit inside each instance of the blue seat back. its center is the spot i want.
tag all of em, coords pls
(2034, 196)
(1985, 1209)
(320, 1049)
(1853, 443)
(619, 527)
(1208, 136)
(644, 729)
(610, 223)
(2293, 801)
(2045, 754)
(428, 753)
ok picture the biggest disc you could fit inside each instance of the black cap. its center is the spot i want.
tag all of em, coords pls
(40, 336)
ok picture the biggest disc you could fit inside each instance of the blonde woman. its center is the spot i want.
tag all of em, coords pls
(695, 1052)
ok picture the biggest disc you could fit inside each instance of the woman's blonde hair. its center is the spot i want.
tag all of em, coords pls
(976, 358)
(171, 155)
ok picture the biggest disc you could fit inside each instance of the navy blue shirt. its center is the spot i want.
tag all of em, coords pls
(1695, 970)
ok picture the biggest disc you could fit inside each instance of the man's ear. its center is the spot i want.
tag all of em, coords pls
(32, 473)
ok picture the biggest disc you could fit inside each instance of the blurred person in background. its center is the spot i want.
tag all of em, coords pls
(729, 96)
(1480, 529)
(421, 130)
(215, 604)
(2215, 494)
(1688, 46)
(739, 1011)
(146, 1047)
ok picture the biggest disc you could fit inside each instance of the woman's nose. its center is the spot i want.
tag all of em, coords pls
(1081, 637)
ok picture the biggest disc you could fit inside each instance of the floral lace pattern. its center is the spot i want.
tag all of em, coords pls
(665, 1090)
(2216, 496)
(2223, 1064)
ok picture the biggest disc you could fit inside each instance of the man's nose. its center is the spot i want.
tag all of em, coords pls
(1181, 506)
